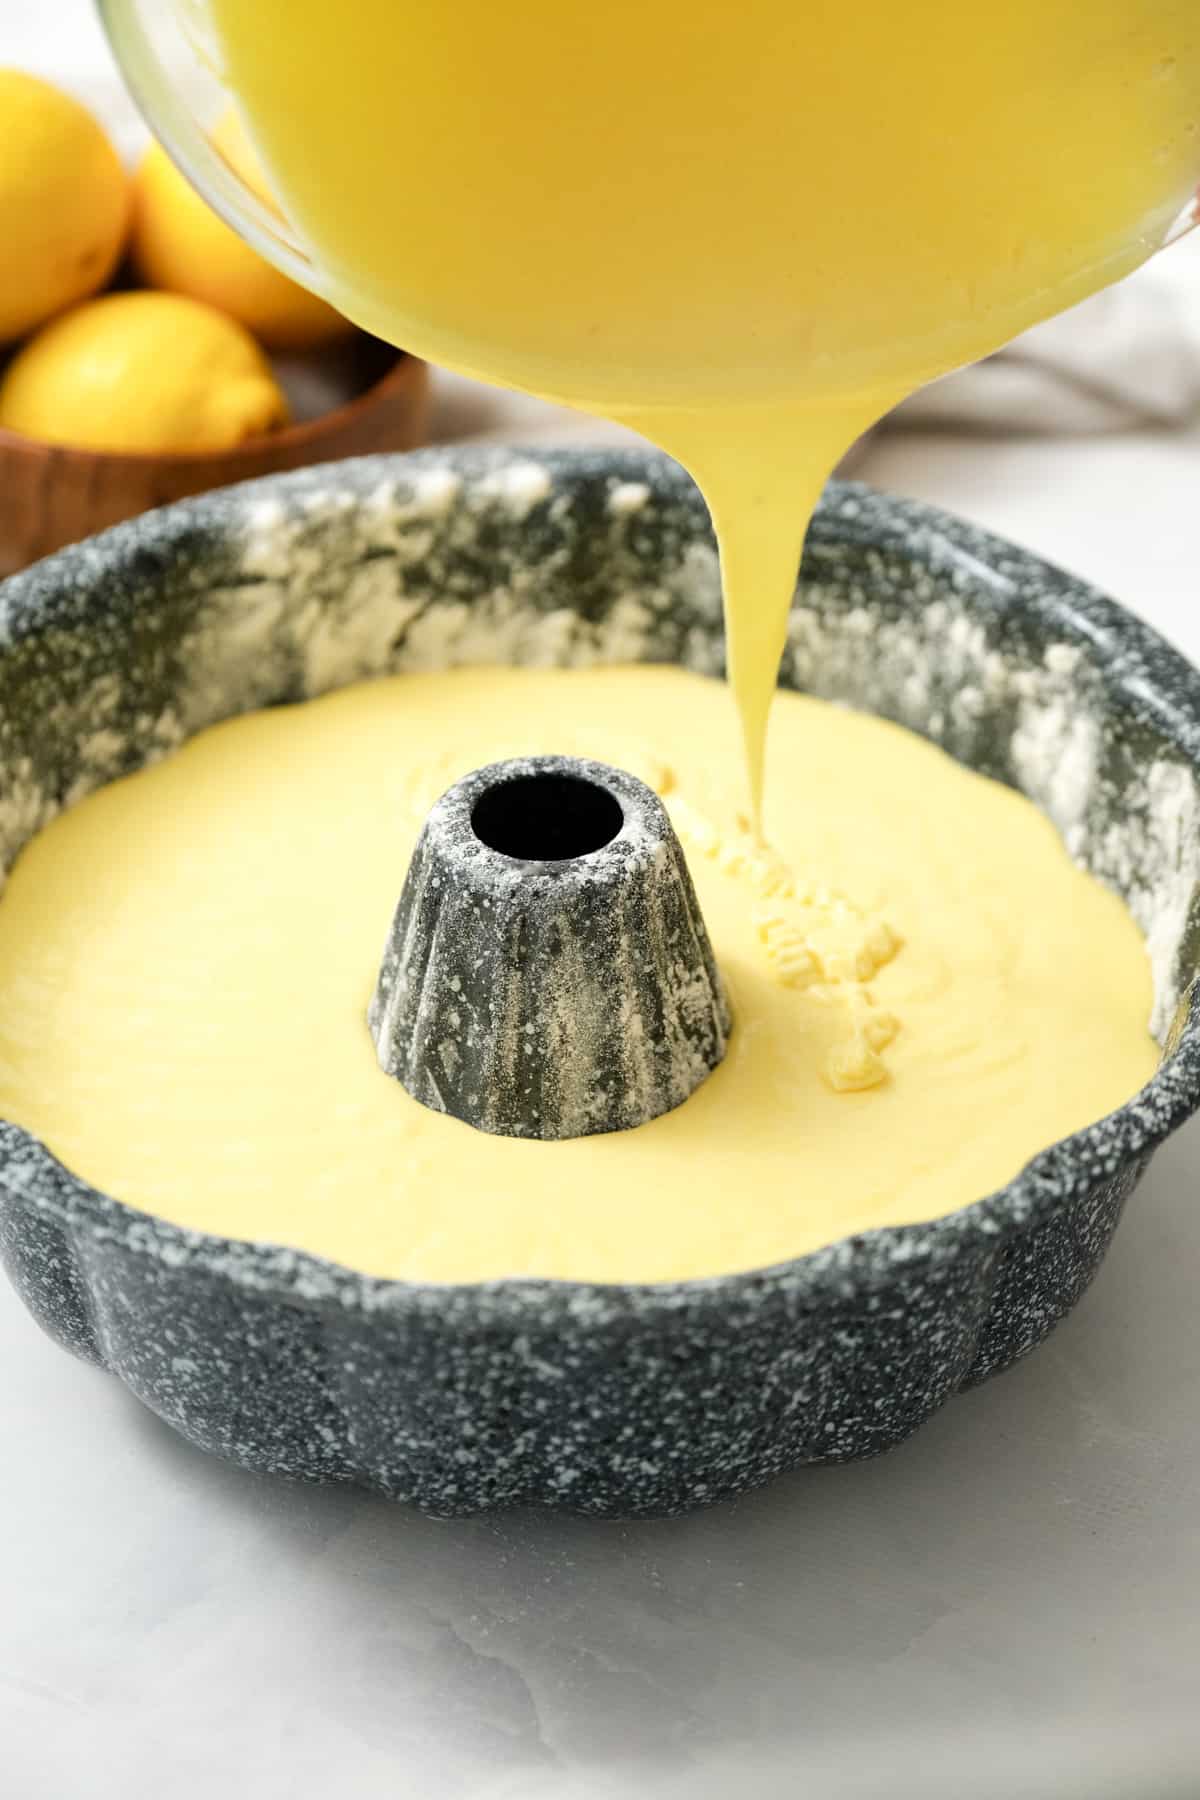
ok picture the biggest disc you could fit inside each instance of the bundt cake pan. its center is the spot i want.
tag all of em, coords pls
(615, 1400)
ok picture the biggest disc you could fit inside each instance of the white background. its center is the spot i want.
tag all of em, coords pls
(1006, 1607)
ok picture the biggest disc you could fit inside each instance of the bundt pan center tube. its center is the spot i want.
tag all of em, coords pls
(548, 973)
(612, 1400)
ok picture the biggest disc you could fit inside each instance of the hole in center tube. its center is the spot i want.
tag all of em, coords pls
(546, 818)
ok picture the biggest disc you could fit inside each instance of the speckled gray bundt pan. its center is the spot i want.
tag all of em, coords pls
(608, 1400)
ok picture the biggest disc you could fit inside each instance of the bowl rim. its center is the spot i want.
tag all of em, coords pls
(1065, 1171)
(299, 434)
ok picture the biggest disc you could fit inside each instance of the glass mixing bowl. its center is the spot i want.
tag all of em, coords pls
(169, 58)
(487, 143)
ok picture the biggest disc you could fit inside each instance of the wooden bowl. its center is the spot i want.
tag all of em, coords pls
(52, 495)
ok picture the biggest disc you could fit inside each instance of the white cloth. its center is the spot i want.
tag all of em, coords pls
(1128, 357)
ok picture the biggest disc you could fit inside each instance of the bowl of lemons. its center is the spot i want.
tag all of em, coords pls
(147, 352)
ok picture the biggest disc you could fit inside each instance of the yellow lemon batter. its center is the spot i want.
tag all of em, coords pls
(747, 230)
(926, 991)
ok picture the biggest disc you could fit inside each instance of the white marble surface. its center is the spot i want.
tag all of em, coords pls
(1005, 1608)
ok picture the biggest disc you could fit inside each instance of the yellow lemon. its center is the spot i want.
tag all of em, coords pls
(142, 372)
(64, 203)
(180, 244)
